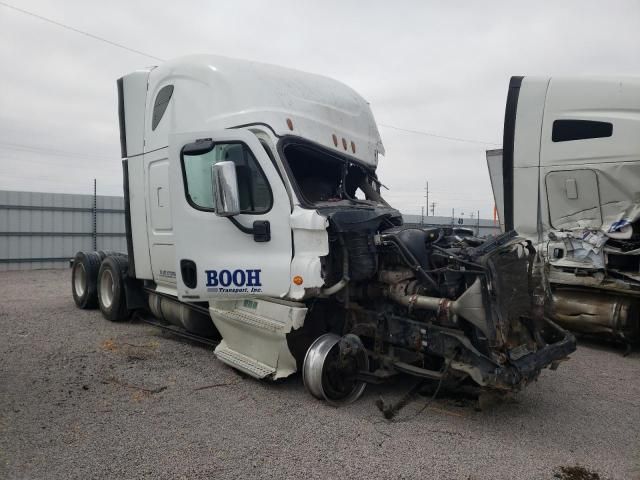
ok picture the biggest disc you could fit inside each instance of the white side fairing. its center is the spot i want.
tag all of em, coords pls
(226, 261)
(138, 206)
(527, 206)
(134, 91)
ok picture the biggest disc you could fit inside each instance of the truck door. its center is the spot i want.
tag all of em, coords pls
(221, 257)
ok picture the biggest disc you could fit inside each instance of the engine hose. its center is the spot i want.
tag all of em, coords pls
(411, 261)
(335, 288)
(447, 254)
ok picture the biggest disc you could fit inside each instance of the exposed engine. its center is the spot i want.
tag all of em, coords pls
(425, 301)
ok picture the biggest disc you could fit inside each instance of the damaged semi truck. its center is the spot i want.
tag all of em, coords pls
(568, 179)
(254, 218)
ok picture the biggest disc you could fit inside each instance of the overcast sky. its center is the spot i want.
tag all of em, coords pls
(440, 67)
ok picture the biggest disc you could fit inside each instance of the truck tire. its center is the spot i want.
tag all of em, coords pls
(105, 253)
(111, 290)
(84, 279)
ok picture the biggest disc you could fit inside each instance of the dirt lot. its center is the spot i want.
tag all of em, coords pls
(84, 398)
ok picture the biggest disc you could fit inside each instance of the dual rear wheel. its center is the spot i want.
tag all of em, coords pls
(98, 280)
(112, 297)
(84, 279)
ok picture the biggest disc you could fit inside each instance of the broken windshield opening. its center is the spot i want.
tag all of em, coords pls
(323, 176)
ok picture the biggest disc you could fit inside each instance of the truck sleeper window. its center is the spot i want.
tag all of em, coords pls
(255, 194)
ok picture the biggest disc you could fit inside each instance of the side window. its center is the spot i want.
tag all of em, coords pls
(255, 194)
(160, 105)
(567, 130)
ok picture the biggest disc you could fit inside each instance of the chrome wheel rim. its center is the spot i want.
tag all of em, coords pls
(79, 279)
(107, 286)
(323, 380)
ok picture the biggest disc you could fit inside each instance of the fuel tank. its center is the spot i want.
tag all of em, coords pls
(171, 311)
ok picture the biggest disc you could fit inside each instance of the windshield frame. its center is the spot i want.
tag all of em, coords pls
(346, 160)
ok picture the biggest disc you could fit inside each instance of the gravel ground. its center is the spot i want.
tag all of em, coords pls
(84, 398)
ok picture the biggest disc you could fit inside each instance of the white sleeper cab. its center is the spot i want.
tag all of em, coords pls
(255, 222)
(568, 178)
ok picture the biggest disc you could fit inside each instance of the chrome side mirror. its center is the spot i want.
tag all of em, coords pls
(226, 196)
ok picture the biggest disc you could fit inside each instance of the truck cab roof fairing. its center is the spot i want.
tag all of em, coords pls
(212, 92)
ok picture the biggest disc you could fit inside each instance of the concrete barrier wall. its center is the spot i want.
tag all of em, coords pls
(45, 230)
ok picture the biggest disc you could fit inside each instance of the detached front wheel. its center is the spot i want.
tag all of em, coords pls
(111, 289)
(331, 367)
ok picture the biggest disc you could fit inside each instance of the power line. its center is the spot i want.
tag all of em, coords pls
(82, 32)
(436, 135)
(51, 151)
(139, 52)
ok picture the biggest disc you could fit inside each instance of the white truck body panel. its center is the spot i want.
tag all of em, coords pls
(138, 213)
(581, 192)
(254, 335)
(229, 262)
(311, 241)
(614, 161)
(160, 229)
(607, 169)
(135, 92)
(213, 92)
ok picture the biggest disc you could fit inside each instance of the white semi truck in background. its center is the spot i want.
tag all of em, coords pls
(254, 219)
(568, 179)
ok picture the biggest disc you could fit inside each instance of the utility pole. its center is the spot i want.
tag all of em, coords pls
(453, 215)
(478, 234)
(94, 212)
(426, 195)
(422, 217)
(433, 209)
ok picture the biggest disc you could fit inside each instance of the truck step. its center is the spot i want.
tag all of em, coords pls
(249, 319)
(242, 362)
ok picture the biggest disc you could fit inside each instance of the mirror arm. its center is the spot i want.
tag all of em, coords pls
(261, 230)
(241, 227)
